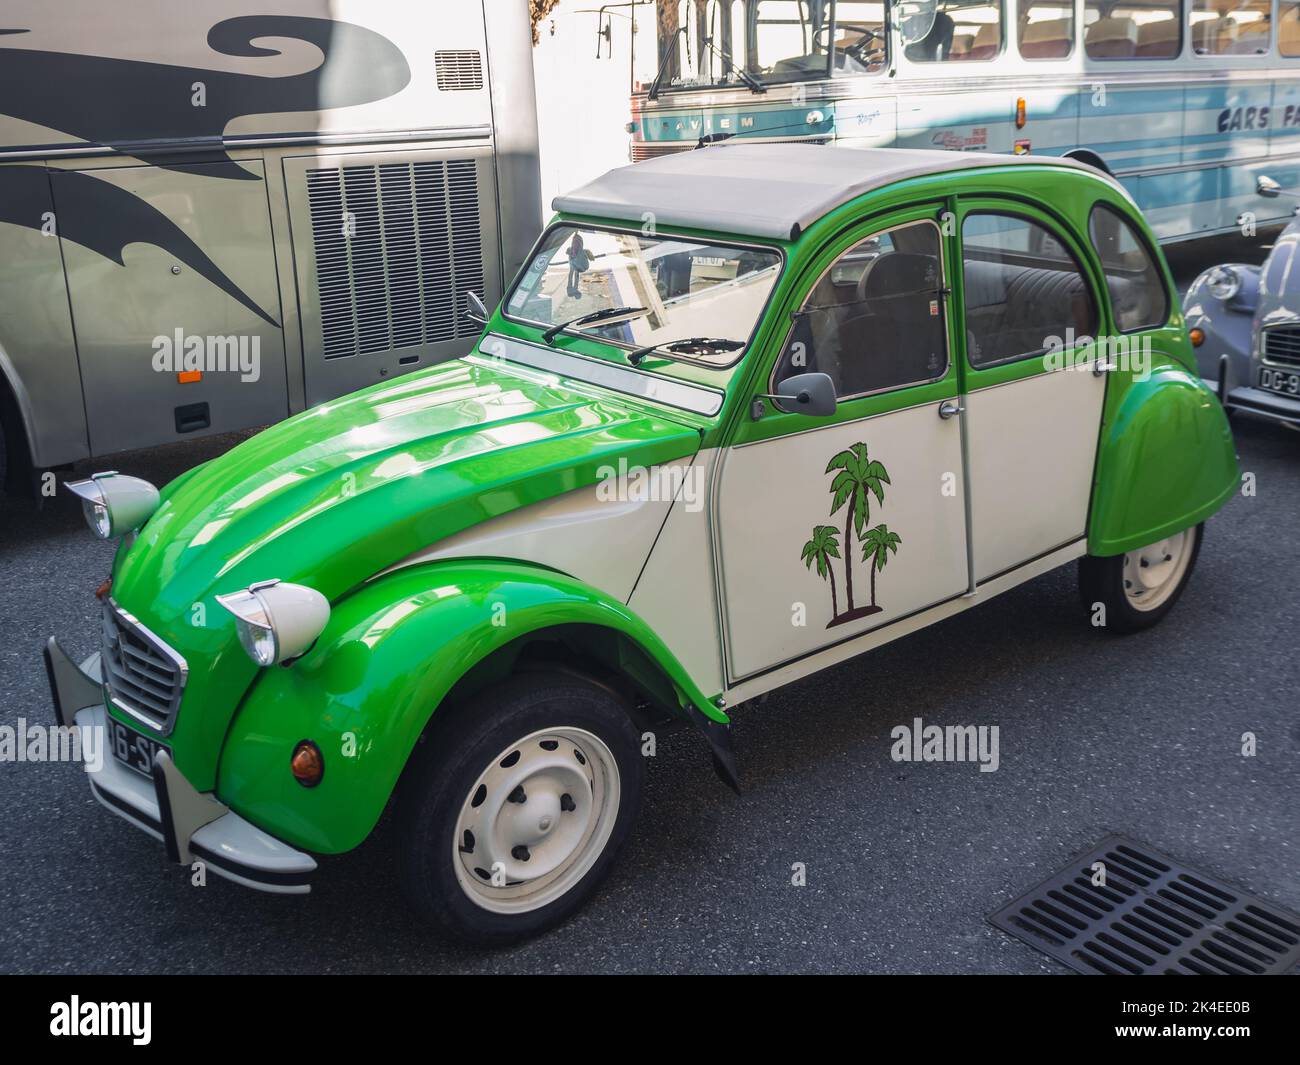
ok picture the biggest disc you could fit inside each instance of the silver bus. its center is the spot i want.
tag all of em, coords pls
(214, 215)
(1187, 102)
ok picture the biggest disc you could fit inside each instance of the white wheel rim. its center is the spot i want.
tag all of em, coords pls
(545, 809)
(1153, 573)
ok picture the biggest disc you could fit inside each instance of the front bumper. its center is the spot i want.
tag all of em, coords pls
(1270, 405)
(191, 825)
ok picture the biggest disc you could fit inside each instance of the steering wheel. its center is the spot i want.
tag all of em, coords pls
(861, 49)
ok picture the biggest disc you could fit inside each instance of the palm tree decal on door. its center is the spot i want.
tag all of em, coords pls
(857, 478)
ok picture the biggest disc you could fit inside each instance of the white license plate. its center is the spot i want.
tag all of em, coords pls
(131, 749)
(1286, 382)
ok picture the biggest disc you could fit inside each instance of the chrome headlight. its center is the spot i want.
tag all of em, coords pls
(277, 621)
(1224, 282)
(115, 504)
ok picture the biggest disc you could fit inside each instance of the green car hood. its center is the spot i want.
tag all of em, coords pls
(338, 493)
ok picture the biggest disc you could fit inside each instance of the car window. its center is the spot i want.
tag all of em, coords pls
(874, 320)
(1023, 291)
(1137, 290)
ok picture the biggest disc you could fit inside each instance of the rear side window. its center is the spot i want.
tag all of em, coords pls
(1137, 290)
(1023, 291)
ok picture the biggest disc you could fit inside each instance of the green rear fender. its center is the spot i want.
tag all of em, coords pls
(390, 654)
(1165, 462)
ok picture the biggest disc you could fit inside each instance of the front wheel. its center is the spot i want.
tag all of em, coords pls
(1140, 587)
(515, 807)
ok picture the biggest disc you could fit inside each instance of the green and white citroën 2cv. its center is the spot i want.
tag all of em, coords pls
(746, 412)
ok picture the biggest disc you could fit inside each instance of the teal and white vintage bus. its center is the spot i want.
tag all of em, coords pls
(1185, 101)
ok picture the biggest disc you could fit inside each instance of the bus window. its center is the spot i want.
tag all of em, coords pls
(1139, 30)
(789, 39)
(1230, 27)
(860, 36)
(1046, 29)
(963, 30)
(1288, 27)
(700, 42)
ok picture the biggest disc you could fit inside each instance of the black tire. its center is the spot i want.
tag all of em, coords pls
(446, 767)
(1102, 580)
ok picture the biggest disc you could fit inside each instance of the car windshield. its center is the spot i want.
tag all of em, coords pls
(709, 294)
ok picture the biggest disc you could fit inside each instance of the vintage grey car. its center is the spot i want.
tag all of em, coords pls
(1244, 323)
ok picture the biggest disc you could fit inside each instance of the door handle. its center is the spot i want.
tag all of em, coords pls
(949, 407)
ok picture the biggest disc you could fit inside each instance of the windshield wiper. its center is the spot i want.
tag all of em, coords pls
(754, 84)
(669, 51)
(675, 347)
(594, 316)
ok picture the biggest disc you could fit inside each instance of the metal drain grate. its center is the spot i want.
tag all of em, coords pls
(1150, 915)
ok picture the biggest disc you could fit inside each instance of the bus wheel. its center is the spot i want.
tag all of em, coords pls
(515, 808)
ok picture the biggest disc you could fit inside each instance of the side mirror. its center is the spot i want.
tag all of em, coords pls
(1266, 186)
(474, 310)
(812, 394)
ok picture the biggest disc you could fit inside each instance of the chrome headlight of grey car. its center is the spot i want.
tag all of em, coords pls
(1223, 282)
(114, 504)
(277, 621)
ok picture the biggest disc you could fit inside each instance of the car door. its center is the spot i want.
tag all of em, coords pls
(829, 527)
(1031, 382)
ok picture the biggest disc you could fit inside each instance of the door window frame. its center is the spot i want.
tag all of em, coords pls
(941, 292)
(1029, 363)
(778, 423)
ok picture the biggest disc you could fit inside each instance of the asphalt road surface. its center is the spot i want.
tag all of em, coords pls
(1098, 734)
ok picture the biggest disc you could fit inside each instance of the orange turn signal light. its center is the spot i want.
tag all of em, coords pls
(1020, 113)
(188, 377)
(1197, 336)
(307, 764)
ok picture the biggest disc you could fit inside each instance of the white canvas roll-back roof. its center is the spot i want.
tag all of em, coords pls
(764, 190)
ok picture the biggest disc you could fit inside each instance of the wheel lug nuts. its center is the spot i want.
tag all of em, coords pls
(517, 795)
(520, 853)
(566, 803)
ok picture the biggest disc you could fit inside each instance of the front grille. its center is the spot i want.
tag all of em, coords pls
(143, 676)
(1282, 346)
(651, 150)
(398, 245)
(1126, 909)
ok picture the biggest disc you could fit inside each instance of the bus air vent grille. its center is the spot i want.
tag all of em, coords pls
(1124, 908)
(398, 245)
(458, 70)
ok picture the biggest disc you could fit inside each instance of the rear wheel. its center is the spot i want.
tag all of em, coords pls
(514, 809)
(1140, 587)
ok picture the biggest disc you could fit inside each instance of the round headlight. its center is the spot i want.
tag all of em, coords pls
(277, 621)
(1223, 282)
(114, 504)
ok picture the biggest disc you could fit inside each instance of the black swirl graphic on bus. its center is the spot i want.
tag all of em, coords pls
(131, 106)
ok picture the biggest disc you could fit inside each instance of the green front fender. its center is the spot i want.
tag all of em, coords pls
(389, 655)
(1165, 462)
